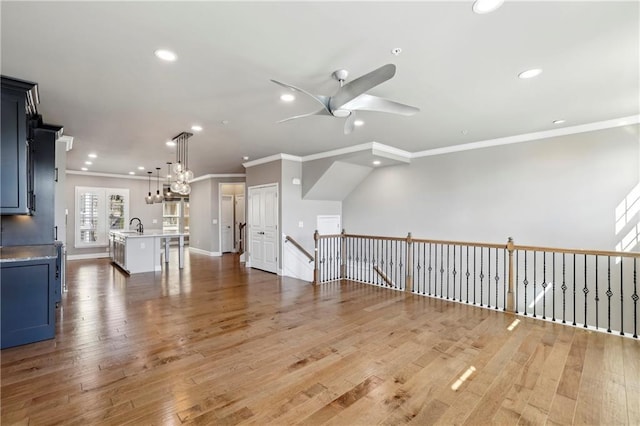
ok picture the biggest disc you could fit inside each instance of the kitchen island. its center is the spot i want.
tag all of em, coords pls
(136, 252)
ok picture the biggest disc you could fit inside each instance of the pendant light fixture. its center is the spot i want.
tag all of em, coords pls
(158, 198)
(181, 167)
(149, 198)
(168, 194)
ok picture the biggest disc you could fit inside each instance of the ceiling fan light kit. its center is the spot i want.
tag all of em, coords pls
(351, 97)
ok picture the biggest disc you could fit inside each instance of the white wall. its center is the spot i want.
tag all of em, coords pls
(204, 209)
(557, 192)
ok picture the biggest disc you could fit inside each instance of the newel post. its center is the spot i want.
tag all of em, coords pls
(316, 271)
(510, 294)
(409, 272)
(343, 256)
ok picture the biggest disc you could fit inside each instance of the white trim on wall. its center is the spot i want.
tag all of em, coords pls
(205, 252)
(87, 256)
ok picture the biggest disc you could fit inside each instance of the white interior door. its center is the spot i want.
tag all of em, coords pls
(263, 227)
(226, 223)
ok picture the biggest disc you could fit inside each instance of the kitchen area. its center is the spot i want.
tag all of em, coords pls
(49, 214)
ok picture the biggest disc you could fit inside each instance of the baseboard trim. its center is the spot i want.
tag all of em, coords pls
(205, 252)
(87, 256)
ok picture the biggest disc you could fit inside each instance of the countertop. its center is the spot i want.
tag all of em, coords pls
(149, 233)
(23, 253)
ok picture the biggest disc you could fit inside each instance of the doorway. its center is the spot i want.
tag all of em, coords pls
(263, 227)
(232, 217)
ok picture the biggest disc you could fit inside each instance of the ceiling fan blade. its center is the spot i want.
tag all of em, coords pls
(319, 112)
(323, 100)
(366, 102)
(349, 124)
(360, 85)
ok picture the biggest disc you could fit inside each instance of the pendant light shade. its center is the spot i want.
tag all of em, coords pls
(158, 198)
(149, 198)
(181, 170)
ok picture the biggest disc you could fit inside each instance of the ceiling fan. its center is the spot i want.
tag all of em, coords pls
(351, 97)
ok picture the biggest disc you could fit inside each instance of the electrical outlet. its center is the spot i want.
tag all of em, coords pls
(154, 221)
(300, 224)
(215, 221)
(143, 245)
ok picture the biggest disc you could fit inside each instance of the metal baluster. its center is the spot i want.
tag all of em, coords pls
(553, 287)
(525, 282)
(481, 274)
(497, 278)
(474, 275)
(435, 272)
(488, 277)
(424, 268)
(430, 268)
(544, 285)
(535, 296)
(574, 289)
(609, 293)
(564, 291)
(504, 280)
(635, 297)
(460, 292)
(454, 273)
(517, 278)
(448, 247)
(585, 290)
(597, 299)
(621, 298)
(467, 274)
(441, 270)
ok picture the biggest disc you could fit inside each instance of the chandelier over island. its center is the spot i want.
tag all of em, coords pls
(181, 171)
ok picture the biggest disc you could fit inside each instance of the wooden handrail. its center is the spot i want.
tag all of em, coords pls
(299, 247)
(493, 245)
(384, 276)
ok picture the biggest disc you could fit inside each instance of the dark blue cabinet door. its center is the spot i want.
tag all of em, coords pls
(27, 302)
(13, 170)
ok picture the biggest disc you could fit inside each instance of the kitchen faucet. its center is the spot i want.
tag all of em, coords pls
(139, 226)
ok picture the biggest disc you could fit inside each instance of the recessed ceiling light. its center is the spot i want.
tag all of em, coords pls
(88, 163)
(170, 143)
(287, 97)
(358, 123)
(92, 155)
(558, 121)
(132, 173)
(225, 122)
(486, 6)
(196, 128)
(245, 158)
(377, 162)
(140, 168)
(165, 55)
(530, 73)
(84, 169)
(464, 132)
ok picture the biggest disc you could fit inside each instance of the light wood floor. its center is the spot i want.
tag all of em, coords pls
(221, 344)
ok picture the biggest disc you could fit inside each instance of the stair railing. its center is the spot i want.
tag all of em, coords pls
(587, 288)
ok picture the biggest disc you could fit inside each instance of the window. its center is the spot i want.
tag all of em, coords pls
(99, 210)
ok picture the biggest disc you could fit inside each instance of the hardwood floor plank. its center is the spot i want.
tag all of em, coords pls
(217, 343)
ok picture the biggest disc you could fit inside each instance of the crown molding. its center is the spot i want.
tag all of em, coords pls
(571, 130)
(215, 176)
(564, 131)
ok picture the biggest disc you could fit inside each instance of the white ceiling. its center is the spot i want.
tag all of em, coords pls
(99, 78)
